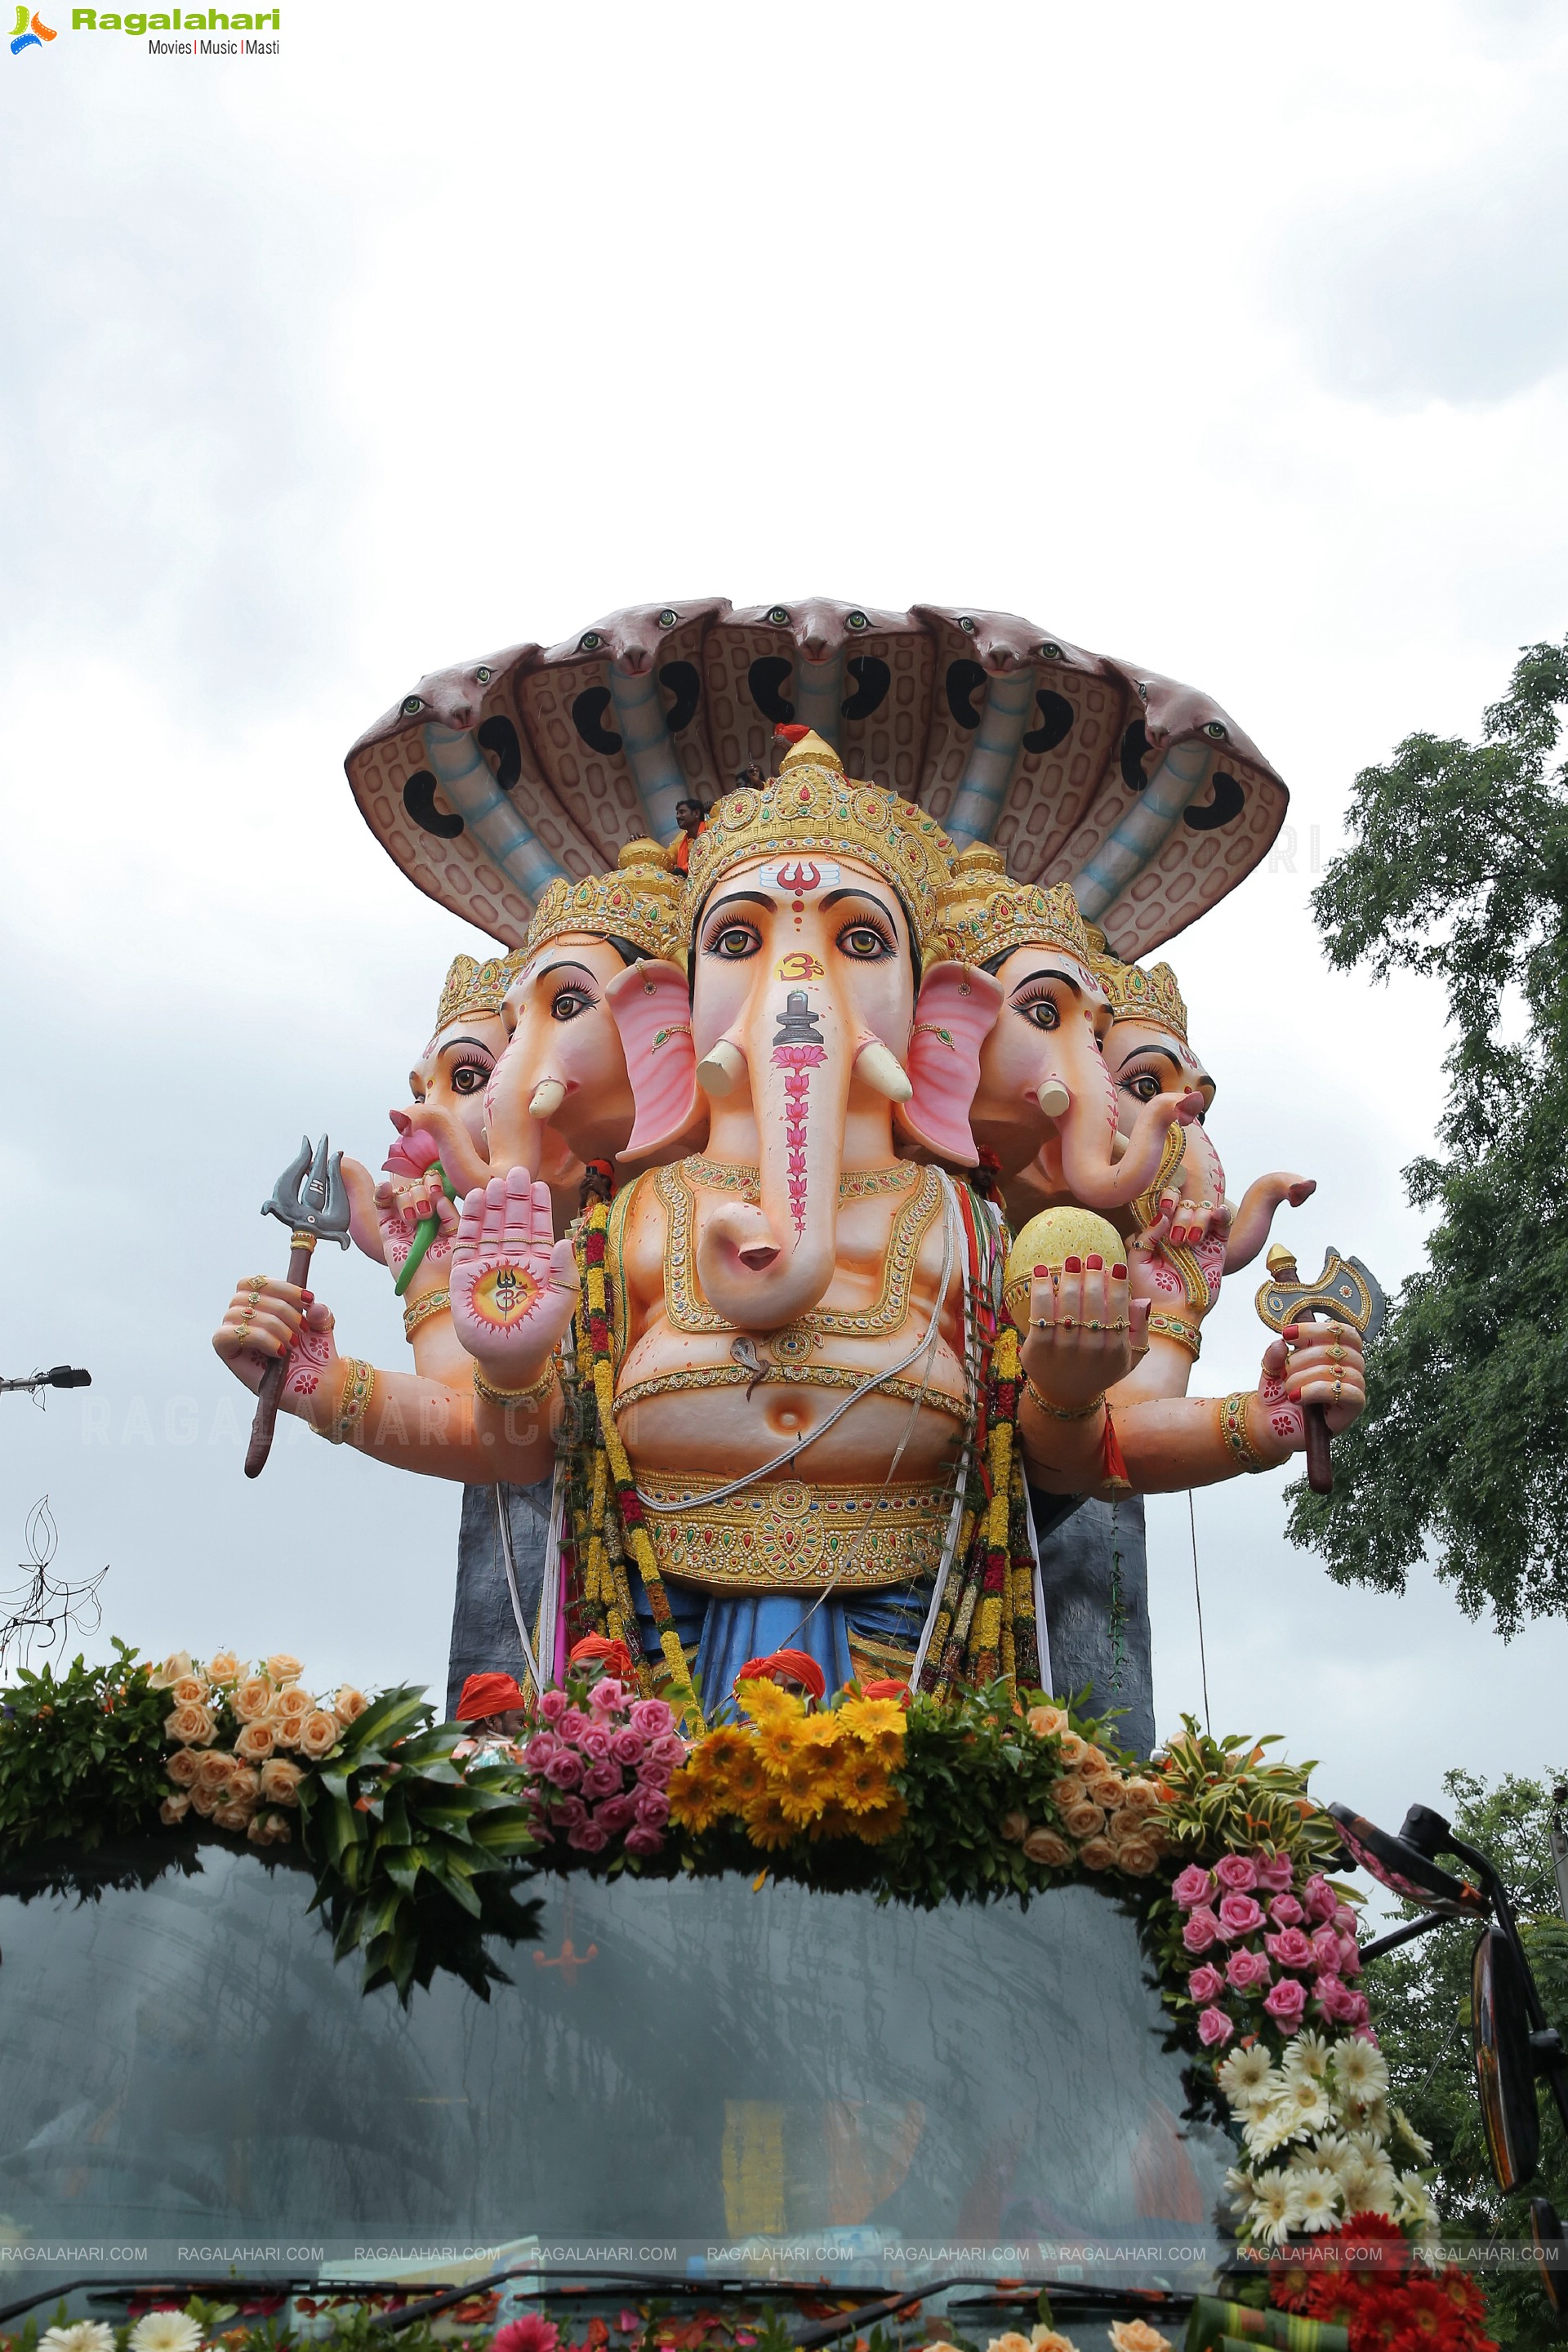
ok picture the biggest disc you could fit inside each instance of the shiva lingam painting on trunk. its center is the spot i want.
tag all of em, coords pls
(797, 1216)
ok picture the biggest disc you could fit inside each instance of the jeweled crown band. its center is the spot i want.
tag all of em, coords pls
(984, 915)
(473, 990)
(640, 901)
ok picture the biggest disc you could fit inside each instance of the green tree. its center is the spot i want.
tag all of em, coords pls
(1421, 2002)
(1458, 869)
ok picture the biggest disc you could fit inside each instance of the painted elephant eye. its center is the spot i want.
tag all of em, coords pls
(779, 617)
(484, 675)
(1051, 651)
(470, 1077)
(864, 942)
(1143, 1088)
(1041, 1012)
(589, 642)
(856, 620)
(733, 942)
(412, 706)
(568, 1002)
(667, 619)
(1216, 730)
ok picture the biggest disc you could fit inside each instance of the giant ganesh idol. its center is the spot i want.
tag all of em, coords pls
(785, 1393)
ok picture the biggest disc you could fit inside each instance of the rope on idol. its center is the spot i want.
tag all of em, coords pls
(503, 1521)
(1199, 1597)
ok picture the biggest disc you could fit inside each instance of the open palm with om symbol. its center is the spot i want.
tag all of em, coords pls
(513, 1286)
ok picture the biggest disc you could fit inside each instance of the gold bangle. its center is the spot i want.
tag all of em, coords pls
(1185, 1334)
(358, 1383)
(531, 1394)
(1237, 1438)
(420, 1310)
(1061, 1412)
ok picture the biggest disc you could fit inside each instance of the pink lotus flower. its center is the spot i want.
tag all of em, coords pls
(1202, 1929)
(529, 2334)
(602, 1779)
(644, 1840)
(554, 1705)
(652, 1807)
(1236, 1873)
(412, 1152)
(1276, 1872)
(616, 1813)
(1206, 1984)
(1320, 1898)
(1244, 1969)
(594, 1742)
(650, 1716)
(1192, 1888)
(604, 1698)
(1292, 1947)
(1286, 2002)
(1213, 2026)
(539, 1749)
(588, 1837)
(627, 1745)
(1239, 1915)
(1286, 1912)
(564, 1770)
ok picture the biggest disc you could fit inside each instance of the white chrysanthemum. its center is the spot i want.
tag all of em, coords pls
(1411, 2136)
(166, 2331)
(1307, 2055)
(82, 2336)
(1316, 2195)
(1360, 2070)
(1273, 2207)
(1245, 2074)
(1415, 2205)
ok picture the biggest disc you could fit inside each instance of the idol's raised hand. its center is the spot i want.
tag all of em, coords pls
(513, 1286)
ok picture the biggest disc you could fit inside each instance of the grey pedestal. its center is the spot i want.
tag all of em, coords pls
(484, 1630)
(1094, 1566)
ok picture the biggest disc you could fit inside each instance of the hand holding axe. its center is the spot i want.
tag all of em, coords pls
(311, 1199)
(1345, 1292)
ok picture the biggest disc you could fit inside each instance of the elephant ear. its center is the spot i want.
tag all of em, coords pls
(652, 1010)
(954, 1013)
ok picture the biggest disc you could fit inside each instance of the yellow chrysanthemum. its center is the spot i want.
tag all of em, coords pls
(717, 1754)
(803, 1786)
(861, 1782)
(880, 1822)
(764, 1702)
(745, 1779)
(695, 1802)
(868, 1718)
(778, 1744)
(767, 1823)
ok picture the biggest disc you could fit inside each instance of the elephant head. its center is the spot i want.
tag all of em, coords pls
(808, 1025)
(1043, 1092)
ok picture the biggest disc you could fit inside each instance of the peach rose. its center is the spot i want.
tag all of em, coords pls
(1071, 1748)
(189, 1691)
(1070, 1789)
(280, 1782)
(1046, 1722)
(183, 1766)
(252, 1699)
(1143, 1796)
(1107, 1790)
(233, 1816)
(293, 1701)
(281, 1668)
(1098, 1853)
(285, 1730)
(254, 1742)
(1044, 1845)
(205, 1800)
(173, 1810)
(244, 1785)
(1135, 1858)
(173, 1669)
(319, 1735)
(193, 1726)
(1137, 2335)
(1014, 1827)
(269, 1829)
(1082, 1820)
(214, 1769)
(224, 1668)
(1011, 2342)
(350, 1703)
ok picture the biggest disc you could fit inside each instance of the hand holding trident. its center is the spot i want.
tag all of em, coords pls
(311, 1199)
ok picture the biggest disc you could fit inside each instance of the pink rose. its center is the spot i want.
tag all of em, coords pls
(564, 1770)
(1326, 1949)
(615, 1813)
(1275, 1871)
(650, 1716)
(575, 1722)
(1236, 1873)
(1344, 1919)
(1358, 2011)
(602, 1779)
(568, 1812)
(1320, 1898)
(554, 1705)
(667, 1749)
(1213, 2026)
(643, 1839)
(1292, 1947)
(588, 1837)
(1192, 1888)
(652, 1808)
(627, 1745)
(1201, 1931)
(539, 1749)
(594, 1743)
(1244, 1969)
(1239, 1915)
(1285, 2003)
(1350, 1957)
(604, 1698)
(1206, 1984)
(1334, 1998)
(1286, 1912)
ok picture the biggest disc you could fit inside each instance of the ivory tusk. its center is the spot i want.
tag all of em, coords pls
(882, 1068)
(546, 1098)
(1118, 1146)
(721, 1068)
(1052, 1096)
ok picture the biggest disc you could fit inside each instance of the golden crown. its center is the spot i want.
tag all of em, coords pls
(984, 915)
(811, 809)
(1151, 998)
(472, 988)
(640, 901)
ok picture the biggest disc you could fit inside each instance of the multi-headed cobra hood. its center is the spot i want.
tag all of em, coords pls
(497, 777)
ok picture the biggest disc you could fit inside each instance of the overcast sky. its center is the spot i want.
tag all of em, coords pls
(1230, 340)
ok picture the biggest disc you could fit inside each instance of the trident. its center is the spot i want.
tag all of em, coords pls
(1345, 1292)
(312, 1201)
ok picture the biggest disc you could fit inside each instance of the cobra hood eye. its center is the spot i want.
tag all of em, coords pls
(667, 619)
(412, 706)
(483, 674)
(856, 620)
(1216, 730)
(590, 642)
(779, 617)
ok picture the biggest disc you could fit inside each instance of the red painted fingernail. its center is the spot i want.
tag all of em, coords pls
(1041, 1272)
(1291, 1331)
(1094, 1264)
(1119, 1272)
(1072, 1265)
(1294, 1395)
(309, 1296)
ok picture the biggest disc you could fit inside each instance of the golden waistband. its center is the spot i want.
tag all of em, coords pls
(799, 1376)
(789, 1531)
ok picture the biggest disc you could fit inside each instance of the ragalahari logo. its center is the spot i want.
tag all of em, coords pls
(29, 32)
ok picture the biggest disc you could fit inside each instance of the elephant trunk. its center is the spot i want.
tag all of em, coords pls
(1097, 1173)
(763, 1266)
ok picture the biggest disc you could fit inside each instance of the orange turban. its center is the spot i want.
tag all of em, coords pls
(797, 1664)
(485, 1695)
(886, 1688)
(598, 1650)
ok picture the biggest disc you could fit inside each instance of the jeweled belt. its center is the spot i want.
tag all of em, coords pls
(791, 1532)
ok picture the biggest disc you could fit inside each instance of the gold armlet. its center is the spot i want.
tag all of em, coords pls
(353, 1402)
(1061, 1412)
(1237, 1438)
(1185, 1334)
(420, 1310)
(531, 1394)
